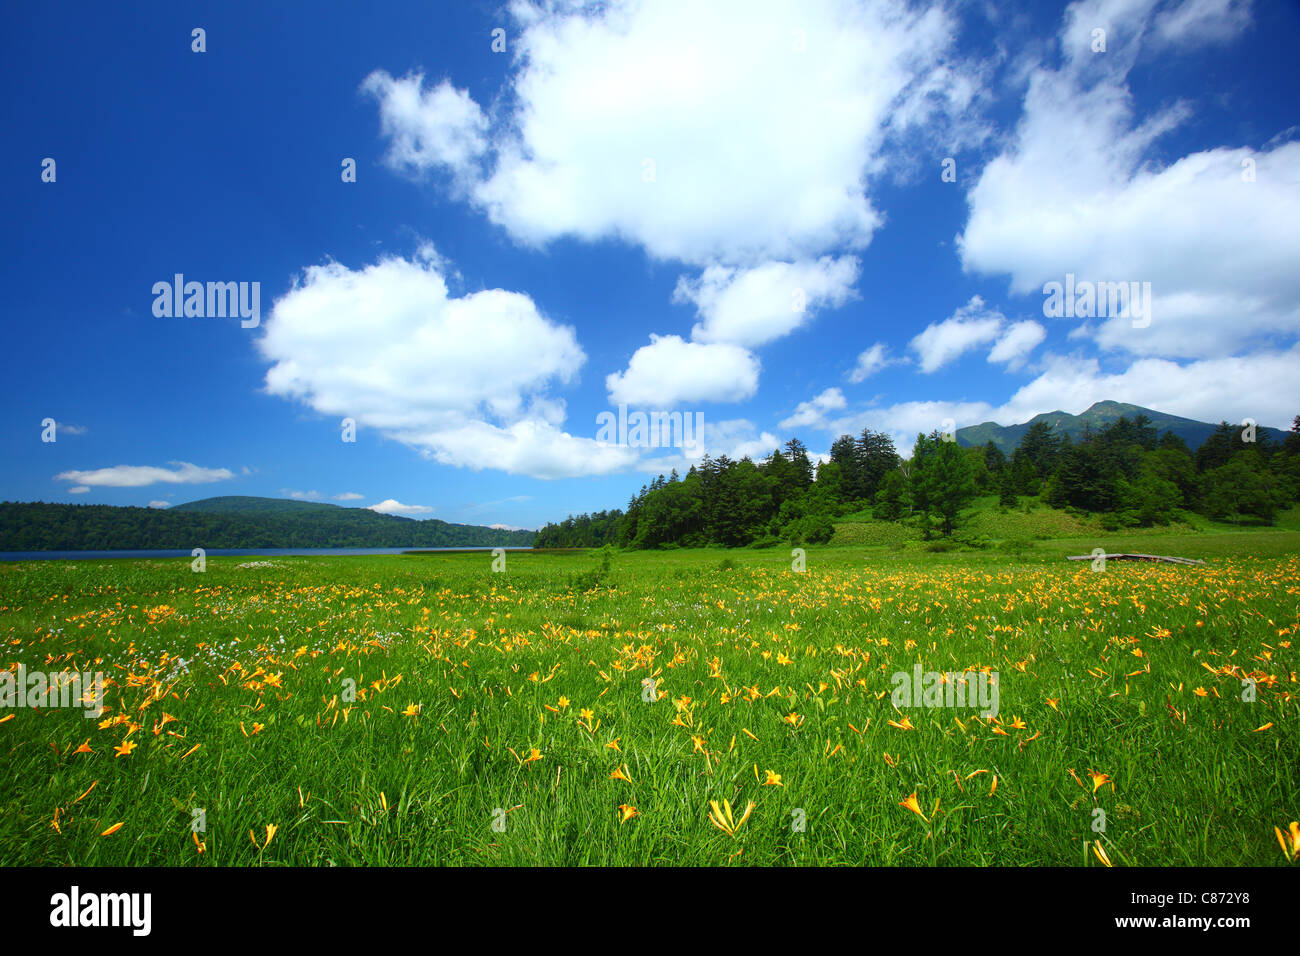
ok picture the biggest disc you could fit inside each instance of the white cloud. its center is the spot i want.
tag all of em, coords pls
(442, 126)
(1198, 22)
(905, 420)
(1262, 386)
(738, 438)
(1219, 251)
(62, 428)
(870, 361)
(301, 495)
(762, 122)
(348, 496)
(814, 412)
(464, 380)
(160, 504)
(137, 476)
(670, 371)
(1015, 344)
(751, 307)
(78, 489)
(530, 447)
(391, 506)
(685, 129)
(735, 438)
(971, 325)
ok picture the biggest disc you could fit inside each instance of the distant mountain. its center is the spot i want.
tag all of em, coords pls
(250, 505)
(1007, 437)
(233, 522)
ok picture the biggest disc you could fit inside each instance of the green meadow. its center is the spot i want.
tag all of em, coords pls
(688, 707)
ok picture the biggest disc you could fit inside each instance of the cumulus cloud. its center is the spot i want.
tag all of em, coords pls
(751, 307)
(815, 411)
(348, 496)
(739, 438)
(1261, 386)
(1015, 344)
(688, 130)
(870, 361)
(137, 476)
(160, 504)
(627, 120)
(441, 126)
(670, 371)
(463, 380)
(971, 325)
(391, 506)
(78, 489)
(1213, 231)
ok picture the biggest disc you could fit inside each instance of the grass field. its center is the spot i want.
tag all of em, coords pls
(509, 718)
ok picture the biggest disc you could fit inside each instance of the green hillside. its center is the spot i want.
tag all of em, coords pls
(233, 522)
(250, 505)
(1006, 437)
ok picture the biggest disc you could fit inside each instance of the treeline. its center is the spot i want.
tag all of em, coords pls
(37, 526)
(1124, 472)
(1132, 478)
(734, 503)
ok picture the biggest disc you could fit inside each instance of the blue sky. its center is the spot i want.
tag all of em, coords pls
(627, 205)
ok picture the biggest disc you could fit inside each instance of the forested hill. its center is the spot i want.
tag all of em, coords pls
(232, 522)
(1126, 472)
(1097, 417)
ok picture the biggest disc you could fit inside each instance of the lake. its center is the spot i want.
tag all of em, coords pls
(217, 553)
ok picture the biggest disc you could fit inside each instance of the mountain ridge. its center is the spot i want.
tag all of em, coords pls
(1096, 416)
(232, 521)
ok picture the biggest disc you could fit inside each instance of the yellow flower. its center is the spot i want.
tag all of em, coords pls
(904, 724)
(124, 750)
(613, 745)
(1100, 854)
(721, 817)
(1290, 841)
(1052, 702)
(773, 779)
(564, 702)
(270, 832)
(626, 813)
(793, 719)
(411, 710)
(585, 713)
(911, 804)
(618, 774)
(1099, 780)
(113, 829)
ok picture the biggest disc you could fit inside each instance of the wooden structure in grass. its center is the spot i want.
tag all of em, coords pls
(1135, 557)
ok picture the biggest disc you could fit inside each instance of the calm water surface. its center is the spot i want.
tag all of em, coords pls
(213, 552)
